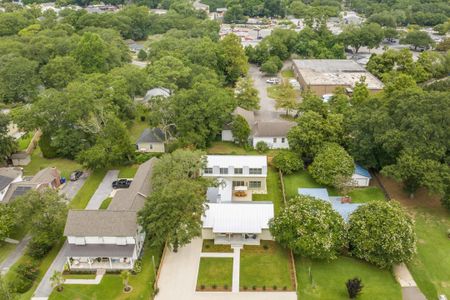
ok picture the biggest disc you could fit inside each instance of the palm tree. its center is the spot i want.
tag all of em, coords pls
(125, 275)
(57, 281)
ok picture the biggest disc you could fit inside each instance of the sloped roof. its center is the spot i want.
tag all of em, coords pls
(248, 115)
(238, 217)
(362, 171)
(237, 161)
(151, 135)
(8, 175)
(155, 92)
(273, 128)
(17, 189)
(46, 175)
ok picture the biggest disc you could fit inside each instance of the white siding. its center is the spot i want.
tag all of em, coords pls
(270, 142)
(102, 240)
(360, 181)
(151, 147)
(265, 235)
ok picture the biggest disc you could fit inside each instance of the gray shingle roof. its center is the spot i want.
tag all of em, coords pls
(99, 250)
(7, 175)
(151, 135)
(273, 128)
(46, 176)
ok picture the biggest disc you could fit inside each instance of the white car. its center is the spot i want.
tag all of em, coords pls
(273, 80)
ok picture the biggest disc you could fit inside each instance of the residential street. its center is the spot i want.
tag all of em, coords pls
(103, 191)
(15, 255)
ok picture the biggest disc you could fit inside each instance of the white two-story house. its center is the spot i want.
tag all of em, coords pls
(112, 238)
(237, 175)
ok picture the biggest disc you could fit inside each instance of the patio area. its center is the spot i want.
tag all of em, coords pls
(236, 239)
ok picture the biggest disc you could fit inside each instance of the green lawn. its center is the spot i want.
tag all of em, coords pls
(273, 190)
(209, 246)
(24, 141)
(431, 267)
(302, 179)
(5, 250)
(368, 194)
(85, 193)
(215, 271)
(79, 276)
(127, 171)
(65, 166)
(105, 203)
(136, 129)
(265, 267)
(328, 280)
(111, 285)
(288, 73)
(229, 148)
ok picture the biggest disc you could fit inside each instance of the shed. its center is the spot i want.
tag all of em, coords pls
(361, 177)
(151, 140)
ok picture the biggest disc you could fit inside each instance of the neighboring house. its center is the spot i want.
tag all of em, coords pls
(8, 176)
(20, 159)
(323, 76)
(46, 178)
(239, 176)
(238, 222)
(110, 239)
(151, 140)
(344, 209)
(273, 133)
(361, 177)
(156, 92)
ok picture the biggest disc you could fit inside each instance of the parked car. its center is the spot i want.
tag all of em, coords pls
(75, 175)
(295, 84)
(273, 80)
(121, 184)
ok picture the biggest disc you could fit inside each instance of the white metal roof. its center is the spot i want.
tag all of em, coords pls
(237, 161)
(238, 217)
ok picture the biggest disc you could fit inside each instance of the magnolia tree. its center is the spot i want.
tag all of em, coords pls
(287, 162)
(309, 227)
(382, 233)
(331, 164)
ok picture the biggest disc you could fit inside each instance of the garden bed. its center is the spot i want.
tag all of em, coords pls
(209, 246)
(215, 274)
(278, 274)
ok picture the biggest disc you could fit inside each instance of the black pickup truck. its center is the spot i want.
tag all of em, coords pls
(121, 184)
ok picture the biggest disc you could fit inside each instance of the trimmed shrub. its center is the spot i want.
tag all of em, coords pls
(45, 144)
(28, 270)
(262, 147)
(21, 284)
(287, 162)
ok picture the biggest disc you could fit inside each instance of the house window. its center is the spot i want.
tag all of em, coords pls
(283, 140)
(274, 140)
(238, 171)
(238, 183)
(255, 171)
(223, 170)
(151, 146)
(208, 171)
(254, 184)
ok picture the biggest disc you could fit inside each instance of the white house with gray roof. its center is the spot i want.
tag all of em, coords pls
(273, 132)
(151, 140)
(8, 176)
(112, 238)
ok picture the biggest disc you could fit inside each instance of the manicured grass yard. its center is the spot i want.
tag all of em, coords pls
(215, 271)
(90, 186)
(301, 179)
(368, 194)
(127, 171)
(273, 190)
(105, 203)
(209, 246)
(329, 280)
(24, 141)
(431, 267)
(111, 285)
(65, 166)
(5, 250)
(229, 148)
(79, 276)
(136, 129)
(265, 267)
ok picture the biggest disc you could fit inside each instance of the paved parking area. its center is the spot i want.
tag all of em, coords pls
(71, 188)
(178, 279)
(103, 191)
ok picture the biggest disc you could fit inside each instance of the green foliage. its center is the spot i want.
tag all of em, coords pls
(91, 53)
(285, 96)
(331, 164)
(382, 233)
(246, 95)
(18, 79)
(234, 14)
(232, 58)
(142, 55)
(312, 102)
(287, 162)
(28, 270)
(59, 71)
(169, 72)
(46, 211)
(57, 280)
(262, 147)
(5, 291)
(7, 221)
(418, 39)
(172, 211)
(369, 35)
(309, 227)
(354, 287)
(7, 143)
(48, 151)
(241, 130)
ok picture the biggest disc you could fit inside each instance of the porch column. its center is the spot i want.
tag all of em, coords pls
(110, 263)
(68, 261)
(90, 263)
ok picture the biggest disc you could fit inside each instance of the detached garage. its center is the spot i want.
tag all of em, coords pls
(361, 177)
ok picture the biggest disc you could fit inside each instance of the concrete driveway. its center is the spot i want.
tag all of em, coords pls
(104, 190)
(71, 188)
(259, 81)
(178, 279)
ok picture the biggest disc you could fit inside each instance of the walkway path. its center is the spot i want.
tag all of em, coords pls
(14, 256)
(103, 191)
(98, 278)
(180, 270)
(236, 267)
(410, 291)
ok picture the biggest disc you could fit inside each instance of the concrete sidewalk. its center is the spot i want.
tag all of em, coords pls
(410, 291)
(14, 256)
